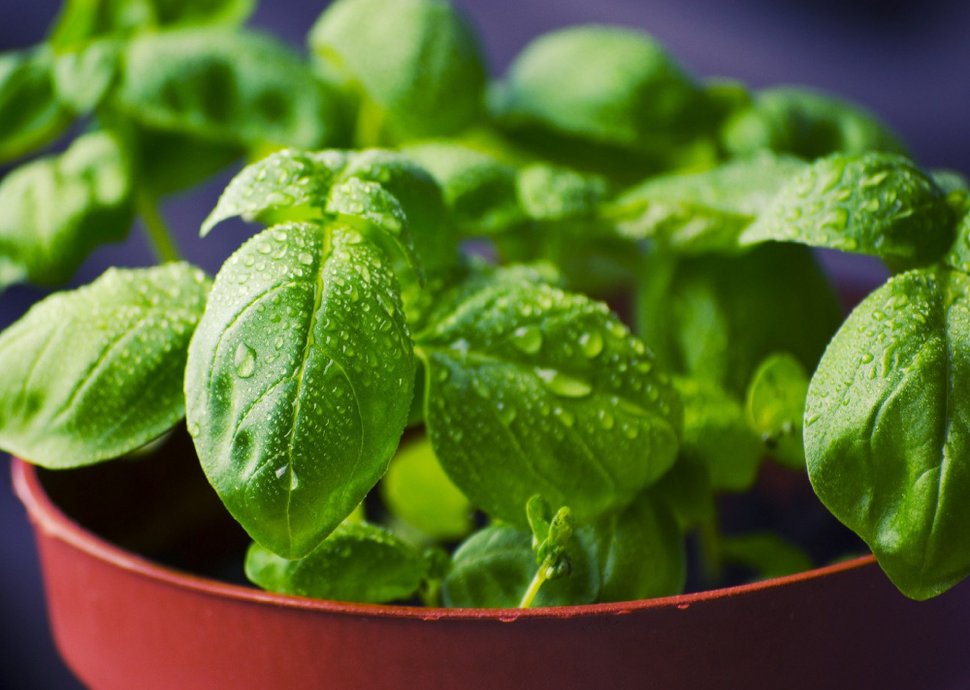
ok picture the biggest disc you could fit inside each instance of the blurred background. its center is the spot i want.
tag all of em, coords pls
(908, 62)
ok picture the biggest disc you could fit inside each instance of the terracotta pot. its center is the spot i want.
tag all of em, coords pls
(123, 621)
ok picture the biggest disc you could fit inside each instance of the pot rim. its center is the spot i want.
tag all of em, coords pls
(48, 517)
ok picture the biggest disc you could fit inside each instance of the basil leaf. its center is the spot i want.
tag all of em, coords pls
(959, 255)
(83, 77)
(872, 203)
(806, 123)
(719, 316)
(30, 113)
(776, 405)
(550, 193)
(686, 489)
(94, 373)
(227, 86)
(416, 490)
(416, 63)
(765, 553)
(357, 562)
(623, 90)
(299, 381)
(169, 162)
(58, 209)
(532, 390)
(705, 211)
(716, 432)
(383, 189)
(480, 190)
(83, 20)
(494, 566)
(885, 434)
(641, 552)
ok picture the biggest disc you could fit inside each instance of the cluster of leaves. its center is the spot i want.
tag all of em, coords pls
(564, 456)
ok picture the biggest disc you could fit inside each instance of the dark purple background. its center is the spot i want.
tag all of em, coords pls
(907, 61)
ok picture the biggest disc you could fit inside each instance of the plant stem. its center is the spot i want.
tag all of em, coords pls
(710, 542)
(158, 233)
(537, 581)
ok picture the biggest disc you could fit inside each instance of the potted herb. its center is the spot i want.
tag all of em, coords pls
(553, 457)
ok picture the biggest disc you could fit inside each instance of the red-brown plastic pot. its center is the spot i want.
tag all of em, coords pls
(123, 621)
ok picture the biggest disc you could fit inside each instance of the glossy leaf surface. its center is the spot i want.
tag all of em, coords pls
(886, 438)
(299, 381)
(357, 562)
(532, 390)
(775, 407)
(873, 203)
(92, 374)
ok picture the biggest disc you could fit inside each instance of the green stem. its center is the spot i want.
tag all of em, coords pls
(542, 574)
(158, 233)
(710, 543)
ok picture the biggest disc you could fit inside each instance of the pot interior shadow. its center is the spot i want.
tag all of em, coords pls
(157, 503)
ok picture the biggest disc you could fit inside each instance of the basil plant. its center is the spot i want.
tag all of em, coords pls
(525, 444)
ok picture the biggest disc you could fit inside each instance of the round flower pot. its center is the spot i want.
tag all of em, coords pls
(122, 620)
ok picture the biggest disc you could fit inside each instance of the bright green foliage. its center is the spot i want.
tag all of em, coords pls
(640, 552)
(704, 211)
(374, 190)
(357, 562)
(605, 85)
(717, 317)
(82, 78)
(776, 405)
(415, 66)
(959, 255)
(886, 437)
(480, 190)
(92, 374)
(228, 86)
(83, 20)
(416, 490)
(716, 432)
(805, 123)
(550, 193)
(532, 390)
(495, 566)
(767, 554)
(56, 210)
(30, 113)
(299, 381)
(872, 203)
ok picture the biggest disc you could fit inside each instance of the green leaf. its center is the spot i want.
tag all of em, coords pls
(60, 208)
(94, 373)
(416, 490)
(532, 390)
(481, 191)
(704, 211)
(83, 20)
(227, 86)
(31, 116)
(641, 552)
(551, 193)
(872, 203)
(416, 64)
(886, 435)
(494, 567)
(959, 255)
(83, 77)
(607, 85)
(169, 162)
(384, 190)
(299, 381)
(686, 489)
(716, 432)
(765, 553)
(357, 562)
(806, 123)
(719, 316)
(776, 405)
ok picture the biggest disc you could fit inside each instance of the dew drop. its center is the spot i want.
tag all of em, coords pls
(527, 339)
(562, 385)
(244, 361)
(591, 343)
